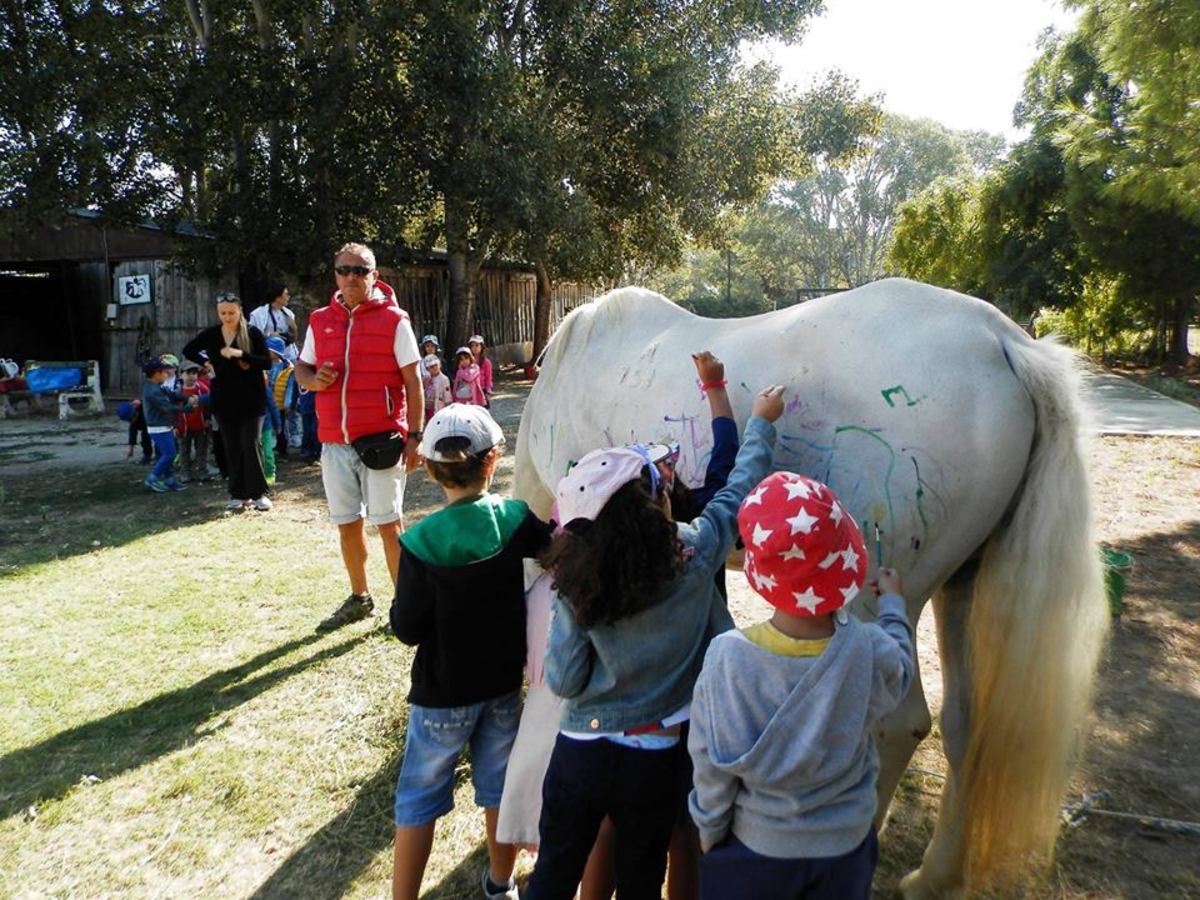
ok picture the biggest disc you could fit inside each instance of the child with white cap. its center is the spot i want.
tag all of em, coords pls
(460, 599)
(476, 344)
(468, 379)
(784, 712)
(636, 608)
(437, 386)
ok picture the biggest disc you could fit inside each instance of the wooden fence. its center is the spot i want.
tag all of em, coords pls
(504, 305)
(183, 304)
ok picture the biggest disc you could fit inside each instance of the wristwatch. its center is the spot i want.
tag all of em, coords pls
(416, 434)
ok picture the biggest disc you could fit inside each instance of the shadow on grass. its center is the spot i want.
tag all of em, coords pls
(133, 737)
(110, 505)
(463, 879)
(329, 861)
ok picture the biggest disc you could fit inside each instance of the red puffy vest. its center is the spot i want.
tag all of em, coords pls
(368, 396)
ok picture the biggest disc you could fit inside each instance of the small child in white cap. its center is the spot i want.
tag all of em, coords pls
(437, 386)
(784, 711)
(460, 600)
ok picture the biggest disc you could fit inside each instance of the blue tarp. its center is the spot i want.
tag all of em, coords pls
(44, 380)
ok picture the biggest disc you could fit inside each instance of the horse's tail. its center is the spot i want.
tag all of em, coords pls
(1037, 624)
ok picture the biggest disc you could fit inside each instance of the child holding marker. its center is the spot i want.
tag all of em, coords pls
(635, 611)
(521, 805)
(784, 712)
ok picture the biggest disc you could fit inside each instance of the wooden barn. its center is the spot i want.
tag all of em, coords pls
(85, 290)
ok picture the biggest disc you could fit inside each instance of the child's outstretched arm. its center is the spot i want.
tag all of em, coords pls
(711, 372)
(894, 650)
(711, 801)
(716, 527)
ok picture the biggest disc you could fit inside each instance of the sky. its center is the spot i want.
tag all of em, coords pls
(960, 62)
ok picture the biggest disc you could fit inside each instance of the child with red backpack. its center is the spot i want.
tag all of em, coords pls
(192, 427)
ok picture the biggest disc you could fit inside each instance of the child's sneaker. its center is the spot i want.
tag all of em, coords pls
(174, 484)
(156, 484)
(235, 504)
(493, 891)
(263, 503)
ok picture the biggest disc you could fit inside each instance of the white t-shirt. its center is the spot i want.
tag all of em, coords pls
(404, 347)
(276, 321)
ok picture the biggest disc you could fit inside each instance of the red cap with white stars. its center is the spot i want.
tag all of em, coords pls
(804, 552)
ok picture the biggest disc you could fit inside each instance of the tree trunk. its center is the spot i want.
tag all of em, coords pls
(465, 262)
(541, 310)
(462, 302)
(1179, 338)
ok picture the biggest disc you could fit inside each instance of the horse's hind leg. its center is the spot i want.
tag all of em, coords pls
(900, 732)
(941, 872)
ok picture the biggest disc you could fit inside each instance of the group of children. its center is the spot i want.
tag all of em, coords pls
(172, 421)
(473, 383)
(651, 723)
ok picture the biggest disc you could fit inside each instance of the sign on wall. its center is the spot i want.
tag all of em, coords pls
(133, 289)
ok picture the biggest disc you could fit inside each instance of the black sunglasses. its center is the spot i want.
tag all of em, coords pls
(362, 271)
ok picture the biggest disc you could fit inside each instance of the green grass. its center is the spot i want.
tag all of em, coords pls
(170, 724)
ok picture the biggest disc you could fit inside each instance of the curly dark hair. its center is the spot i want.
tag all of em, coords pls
(684, 507)
(615, 566)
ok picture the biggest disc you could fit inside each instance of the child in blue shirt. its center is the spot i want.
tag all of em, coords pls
(161, 407)
(784, 712)
(281, 397)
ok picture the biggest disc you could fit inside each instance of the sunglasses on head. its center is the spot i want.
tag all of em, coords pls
(228, 298)
(362, 271)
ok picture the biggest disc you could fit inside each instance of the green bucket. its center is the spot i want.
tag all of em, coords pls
(1116, 566)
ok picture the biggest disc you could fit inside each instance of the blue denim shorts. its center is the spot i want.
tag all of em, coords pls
(435, 740)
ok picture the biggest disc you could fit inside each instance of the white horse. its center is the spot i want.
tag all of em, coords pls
(940, 422)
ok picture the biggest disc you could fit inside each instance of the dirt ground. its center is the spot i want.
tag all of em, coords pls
(1145, 741)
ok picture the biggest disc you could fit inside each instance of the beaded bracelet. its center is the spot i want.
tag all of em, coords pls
(713, 385)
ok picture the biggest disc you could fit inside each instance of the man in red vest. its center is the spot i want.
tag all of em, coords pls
(360, 356)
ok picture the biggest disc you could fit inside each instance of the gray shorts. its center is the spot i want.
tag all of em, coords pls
(354, 492)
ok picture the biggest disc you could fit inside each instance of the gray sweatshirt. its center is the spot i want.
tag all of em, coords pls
(784, 747)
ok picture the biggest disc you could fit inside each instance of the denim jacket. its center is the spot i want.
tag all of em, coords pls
(161, 406)
(634, 672)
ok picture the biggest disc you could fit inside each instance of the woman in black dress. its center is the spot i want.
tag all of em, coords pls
(238, 353)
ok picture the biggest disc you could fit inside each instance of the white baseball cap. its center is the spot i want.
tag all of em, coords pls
(463, 420)
(584, 490)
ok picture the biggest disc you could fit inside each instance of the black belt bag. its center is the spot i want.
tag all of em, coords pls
(379, 451)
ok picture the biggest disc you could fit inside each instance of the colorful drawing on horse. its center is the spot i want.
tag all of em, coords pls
(971, 468)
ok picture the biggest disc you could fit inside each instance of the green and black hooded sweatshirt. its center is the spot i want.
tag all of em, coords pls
(460, 599)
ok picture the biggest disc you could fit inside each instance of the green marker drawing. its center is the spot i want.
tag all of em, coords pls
(899, 389)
